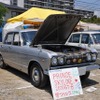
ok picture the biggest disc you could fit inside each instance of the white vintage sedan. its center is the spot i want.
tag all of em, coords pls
(86, 39)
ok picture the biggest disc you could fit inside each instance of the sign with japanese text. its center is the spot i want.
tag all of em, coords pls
(65, 82)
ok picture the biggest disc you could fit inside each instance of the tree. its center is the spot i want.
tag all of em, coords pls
(93, 19)
(3, 11)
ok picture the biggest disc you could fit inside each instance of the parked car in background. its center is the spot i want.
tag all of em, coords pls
(86, 39)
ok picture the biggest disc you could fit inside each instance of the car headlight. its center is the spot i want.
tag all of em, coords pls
(68, 61)
(54, 61)
(61, 60)
(94, 56)
(89, 57)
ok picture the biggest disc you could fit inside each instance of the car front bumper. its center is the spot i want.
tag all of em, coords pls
(82, 68)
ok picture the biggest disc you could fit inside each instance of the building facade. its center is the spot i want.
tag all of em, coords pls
(62, 5)
(84, 13)
(52, 4)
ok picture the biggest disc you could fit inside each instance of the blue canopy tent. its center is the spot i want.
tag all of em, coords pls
(1, 27)
(0, 34)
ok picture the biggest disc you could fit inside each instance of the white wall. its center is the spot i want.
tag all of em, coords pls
(5, 1)
(20, 3)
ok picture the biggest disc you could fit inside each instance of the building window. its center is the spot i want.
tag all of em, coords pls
(13, 2)
(14, 13)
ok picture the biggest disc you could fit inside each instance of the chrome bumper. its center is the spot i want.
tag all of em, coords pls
(82, 69)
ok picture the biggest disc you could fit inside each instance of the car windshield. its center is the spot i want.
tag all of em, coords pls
(28, 37)
(96, 38)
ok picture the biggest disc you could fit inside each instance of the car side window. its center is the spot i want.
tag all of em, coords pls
(86, 39)
(8, 38)
(16, 40)
(75, 38)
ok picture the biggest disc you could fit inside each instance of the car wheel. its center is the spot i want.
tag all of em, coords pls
(38, 78)
(2, 64)
(84, 77)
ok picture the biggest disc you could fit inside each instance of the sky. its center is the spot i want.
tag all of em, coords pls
(91, 5)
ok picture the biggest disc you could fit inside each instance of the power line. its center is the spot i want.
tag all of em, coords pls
(89, 6)
(94, 3)
(84, 5)
(90, 9)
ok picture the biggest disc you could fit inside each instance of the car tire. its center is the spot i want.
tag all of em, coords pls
(2, 64)
(84, 77)
(38, 78)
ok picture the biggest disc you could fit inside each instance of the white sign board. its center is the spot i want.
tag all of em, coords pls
(65, 82)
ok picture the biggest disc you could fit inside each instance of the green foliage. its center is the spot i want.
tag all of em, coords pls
(93, 19)
(3, 11)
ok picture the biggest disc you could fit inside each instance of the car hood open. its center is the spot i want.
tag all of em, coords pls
(56, 29)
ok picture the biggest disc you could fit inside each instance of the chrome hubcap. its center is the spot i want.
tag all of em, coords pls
(35, 75)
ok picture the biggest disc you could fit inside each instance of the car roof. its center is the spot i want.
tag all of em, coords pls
(23, 30)
(87, 32)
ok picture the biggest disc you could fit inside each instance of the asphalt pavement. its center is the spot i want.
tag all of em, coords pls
(15, 85)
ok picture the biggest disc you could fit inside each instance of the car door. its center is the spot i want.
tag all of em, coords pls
(19, 56)
(17, 52)
(6, 48)
(86, 41)
(74, 40)
(96, 45)
(96, 41)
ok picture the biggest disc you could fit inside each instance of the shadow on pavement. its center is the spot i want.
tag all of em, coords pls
(27, 78)
(85, 83)
(18, 73)
(89, 82)
(48, 89)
